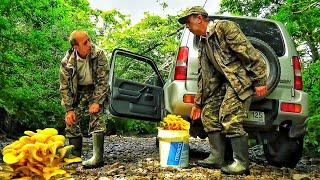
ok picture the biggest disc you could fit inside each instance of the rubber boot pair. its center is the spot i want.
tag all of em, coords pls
(240, 164)
(217, 147)
(215, 160)
(97, 155)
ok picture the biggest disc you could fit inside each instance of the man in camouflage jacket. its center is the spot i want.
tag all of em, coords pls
(84, 88)
(230, 71)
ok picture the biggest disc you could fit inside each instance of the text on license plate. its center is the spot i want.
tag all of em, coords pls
(256, 116)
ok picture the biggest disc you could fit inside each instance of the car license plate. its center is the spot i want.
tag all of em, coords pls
(256, 116)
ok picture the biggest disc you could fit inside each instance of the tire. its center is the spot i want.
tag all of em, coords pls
(272, 63)
(282, 151)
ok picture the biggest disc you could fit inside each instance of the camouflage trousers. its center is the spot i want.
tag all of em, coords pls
(95, 122)
(225, 112)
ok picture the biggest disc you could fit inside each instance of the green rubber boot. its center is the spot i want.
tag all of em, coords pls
(77, 146)
(97, 155)
(240, 156)
(217, 146)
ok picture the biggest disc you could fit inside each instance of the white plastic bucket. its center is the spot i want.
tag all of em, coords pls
(173, 148)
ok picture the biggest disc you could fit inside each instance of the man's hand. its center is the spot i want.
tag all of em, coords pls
(70, 117)
(195, 113)
(94, 108)
(261, 90)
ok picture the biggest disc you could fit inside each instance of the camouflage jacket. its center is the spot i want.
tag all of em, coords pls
(238, 61)
(69, 82)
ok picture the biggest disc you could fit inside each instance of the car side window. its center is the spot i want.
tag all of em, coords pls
(128, 68)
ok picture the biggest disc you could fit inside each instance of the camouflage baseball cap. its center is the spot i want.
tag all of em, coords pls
(193, 10)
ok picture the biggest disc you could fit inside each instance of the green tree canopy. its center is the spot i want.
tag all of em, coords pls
(34, 36)
(33, 41)
(153, 36)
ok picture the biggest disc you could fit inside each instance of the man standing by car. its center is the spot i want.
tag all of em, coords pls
(84, 88)
(230, 71)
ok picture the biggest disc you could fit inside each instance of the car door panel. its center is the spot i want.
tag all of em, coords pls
(133, 99)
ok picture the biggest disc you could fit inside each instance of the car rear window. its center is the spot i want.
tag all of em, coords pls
(266, 31)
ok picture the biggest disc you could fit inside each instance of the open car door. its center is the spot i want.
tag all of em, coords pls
(136, 87)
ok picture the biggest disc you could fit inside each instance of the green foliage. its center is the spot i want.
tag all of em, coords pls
(311, 81)
(130, 69)
(250, 8)
(153, 36)
(33, 41)
(312, 138)
(301, 18)
(34, 38)
(130, 126)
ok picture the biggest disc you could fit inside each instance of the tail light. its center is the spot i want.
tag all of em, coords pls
(180, 72)
(297, 73)
(290, 107)
(188, 98)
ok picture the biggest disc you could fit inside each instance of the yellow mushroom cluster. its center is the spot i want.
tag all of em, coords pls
(39, 155)
(174, 122)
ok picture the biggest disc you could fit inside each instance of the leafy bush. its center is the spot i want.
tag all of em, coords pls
(312, 138)
(33, 42)
(130, 126)
(312, 87)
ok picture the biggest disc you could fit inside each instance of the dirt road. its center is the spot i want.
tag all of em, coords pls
(138, 158)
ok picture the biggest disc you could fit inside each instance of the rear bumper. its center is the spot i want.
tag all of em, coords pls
(276, 117)
(297, 120)
(174, 104)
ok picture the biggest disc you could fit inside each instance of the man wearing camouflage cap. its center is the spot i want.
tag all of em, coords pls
(225, 89)
(84, 88)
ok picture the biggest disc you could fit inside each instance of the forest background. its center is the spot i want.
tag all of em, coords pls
(34, 38)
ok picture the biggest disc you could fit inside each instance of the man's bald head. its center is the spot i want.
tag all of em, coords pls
(76, 35)
(80, 41)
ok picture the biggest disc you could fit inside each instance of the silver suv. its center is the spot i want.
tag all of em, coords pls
(276, 121)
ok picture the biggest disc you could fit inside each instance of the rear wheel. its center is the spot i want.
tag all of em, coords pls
(283, 151)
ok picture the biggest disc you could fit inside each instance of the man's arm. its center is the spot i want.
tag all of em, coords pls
(196, 109)
(66, 98)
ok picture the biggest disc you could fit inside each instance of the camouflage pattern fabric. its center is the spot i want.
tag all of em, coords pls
(69, 82)
(225, 112)
(224, 93)
(193, 10)
(97, 121)
(74, 99)
(209, 79)
(241, 64)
